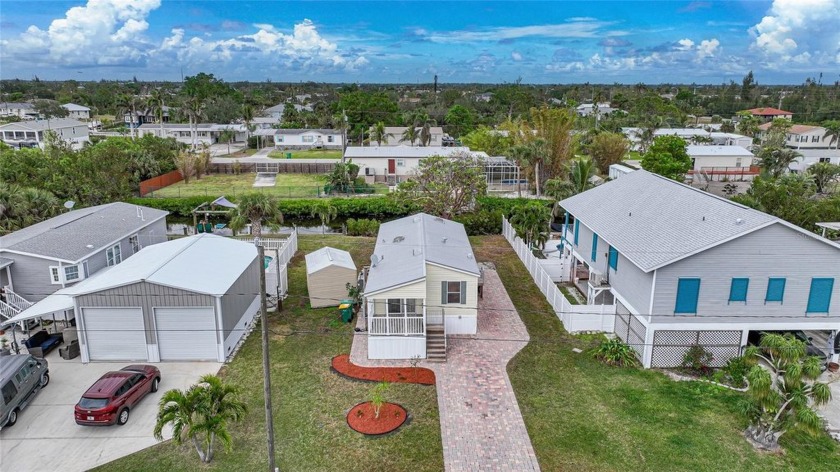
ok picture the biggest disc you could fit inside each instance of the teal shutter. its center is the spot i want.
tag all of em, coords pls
(565, 224)
(738, 290)
(594, 247)
(819, 299)
(688, 291)
(775, 290)
(577, 230)
(443, 293)
(463, 293)
(613, 259)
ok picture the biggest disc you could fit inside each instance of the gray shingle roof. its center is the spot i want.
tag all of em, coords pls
(654, 221)
(73, 235)
(404, 246)
(42, 125)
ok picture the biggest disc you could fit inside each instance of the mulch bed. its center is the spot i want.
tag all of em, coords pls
(418, 375)
(361, 418)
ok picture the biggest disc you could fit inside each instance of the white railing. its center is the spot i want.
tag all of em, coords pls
(575, 318)
(397, 326)
(7, 311)
(16, 300)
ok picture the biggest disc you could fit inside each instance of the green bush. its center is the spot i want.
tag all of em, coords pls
(481, 222)
(253, 142)
(506, 205)
(735, 372)
(697, 359)
(362, 227)
(615, 352)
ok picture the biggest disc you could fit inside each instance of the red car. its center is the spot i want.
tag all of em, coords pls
(112, 397)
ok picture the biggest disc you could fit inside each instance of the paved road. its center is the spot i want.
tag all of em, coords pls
(480, 421)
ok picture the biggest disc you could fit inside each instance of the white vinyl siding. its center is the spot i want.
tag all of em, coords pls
(115, 334)
(186, 334)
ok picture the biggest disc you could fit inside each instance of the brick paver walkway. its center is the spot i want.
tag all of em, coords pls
(481, 425)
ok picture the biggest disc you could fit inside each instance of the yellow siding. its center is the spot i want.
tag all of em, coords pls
(329, 285)
(435, 275)
(415, 290)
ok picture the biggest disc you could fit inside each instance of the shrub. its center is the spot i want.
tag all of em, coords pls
(615, 352)
(481, 222)
(253, 142)
(697, 359)
(362, 227)
(735, 372)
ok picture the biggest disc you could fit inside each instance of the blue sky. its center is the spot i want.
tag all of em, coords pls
(783, 41)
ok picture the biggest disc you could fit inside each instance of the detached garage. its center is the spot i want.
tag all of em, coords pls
(328, 271)
(189, 299)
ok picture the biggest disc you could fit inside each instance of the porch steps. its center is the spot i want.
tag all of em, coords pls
(435, 343)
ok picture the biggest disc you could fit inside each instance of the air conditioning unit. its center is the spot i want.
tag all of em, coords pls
(370, 171)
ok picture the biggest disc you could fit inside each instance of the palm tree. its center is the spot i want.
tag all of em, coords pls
(378, 133)
(776, 161)
(156, 106)
(410, 134)
(247, 117)
(426, 131)
(255, 208)
(532, 154)
(128, 104)
(832, 130)
(824, 174)
(748, 125)
(226, 136)
(194, 108)
(326, 212)
(581, 170)
(531, 222)
(201, 414)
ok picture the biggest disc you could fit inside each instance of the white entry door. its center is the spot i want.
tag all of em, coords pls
(115, 334)
(187, 334)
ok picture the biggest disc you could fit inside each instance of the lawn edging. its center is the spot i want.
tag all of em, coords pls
(342, 365)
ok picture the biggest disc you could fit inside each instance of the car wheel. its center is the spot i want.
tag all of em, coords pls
(45, 379)
(123, 417)
(12, 418)
(155, 383)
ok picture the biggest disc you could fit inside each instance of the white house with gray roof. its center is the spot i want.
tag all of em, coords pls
(34, 132)
(40, 259)
(308, 139)
(77, 112)
(422, 285)
(682, 267)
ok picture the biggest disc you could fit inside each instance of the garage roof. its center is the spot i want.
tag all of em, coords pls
(326, 257)
(204, 263)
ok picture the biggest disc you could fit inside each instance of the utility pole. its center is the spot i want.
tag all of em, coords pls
(269, 419)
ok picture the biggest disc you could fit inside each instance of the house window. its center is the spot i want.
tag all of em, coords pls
(577, 230)
(411, 307)
(594, 247)
(825, 159)
(453, 292)
(71, 273)
(688, 291)
(134, 241)
(613, 258)
(113, 255)
(738, 162)
(55, 276)
(738, 290)
(815, 139)
(278, 139)
(330, 139)
(775, 290)
(394, 307)
(819, 300)
(400, 162)
(308, 139)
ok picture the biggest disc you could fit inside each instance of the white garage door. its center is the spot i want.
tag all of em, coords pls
(115, 334)
(186, 334)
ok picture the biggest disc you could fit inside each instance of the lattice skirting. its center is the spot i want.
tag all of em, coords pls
(669, 347)
(629, 329)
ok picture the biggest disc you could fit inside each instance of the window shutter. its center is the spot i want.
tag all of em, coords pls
(463, 293)
(443, 293)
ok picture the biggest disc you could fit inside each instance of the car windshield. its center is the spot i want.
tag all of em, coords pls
(92, 403)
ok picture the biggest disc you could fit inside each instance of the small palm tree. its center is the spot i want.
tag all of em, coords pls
(201, 414)
(776, 161)
(581, 170)
(378, 133)
(127, 104)
(426, 131)
(410, 134)
(531, 222)
(194, 108)
(247, 117)
(226, 136)
(832, 132)
(156, 106)
(326, 212)
(256, 208)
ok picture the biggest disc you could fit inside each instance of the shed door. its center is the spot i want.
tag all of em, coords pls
(187, 334)
(115, 334)
(392, 166)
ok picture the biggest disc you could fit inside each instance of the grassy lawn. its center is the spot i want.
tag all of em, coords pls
(584, 416)
(214, 185)
(308, 154)
(310, 401)
(241, 153)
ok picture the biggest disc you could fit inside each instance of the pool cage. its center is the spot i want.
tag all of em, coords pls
(503, 175)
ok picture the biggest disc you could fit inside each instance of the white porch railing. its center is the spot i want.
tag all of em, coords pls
(575, 318)
(397, 326)
(16, 300)
(7, 311)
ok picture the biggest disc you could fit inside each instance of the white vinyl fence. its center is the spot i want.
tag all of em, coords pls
(575, 318)
(281, 252)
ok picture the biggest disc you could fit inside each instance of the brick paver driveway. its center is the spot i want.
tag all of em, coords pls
(481, 425)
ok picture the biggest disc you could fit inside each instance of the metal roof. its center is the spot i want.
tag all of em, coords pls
(654, 221)
(74, 107)
(203, 263)
(713, 150)
(307, 130)
(407, 151)
(327, 257)
(404, 246)
(74, 235)
(42, 125)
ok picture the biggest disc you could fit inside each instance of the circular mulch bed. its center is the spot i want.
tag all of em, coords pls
(361, 418)
(417, 375)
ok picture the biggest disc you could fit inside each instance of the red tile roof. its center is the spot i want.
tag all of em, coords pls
(768, 111)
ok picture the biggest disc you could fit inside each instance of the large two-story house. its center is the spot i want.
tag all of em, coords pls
(421, 286)
(38, 260)
(812, 144)
(683, 267)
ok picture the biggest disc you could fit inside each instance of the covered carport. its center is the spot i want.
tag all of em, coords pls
(58, 306)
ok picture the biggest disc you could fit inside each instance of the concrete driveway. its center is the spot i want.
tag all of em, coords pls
(46, 437)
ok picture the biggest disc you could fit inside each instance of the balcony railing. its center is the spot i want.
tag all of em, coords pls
(597, 280)
(397, 326)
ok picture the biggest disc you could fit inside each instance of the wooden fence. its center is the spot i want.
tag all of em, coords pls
(157, 183)
(280, 167)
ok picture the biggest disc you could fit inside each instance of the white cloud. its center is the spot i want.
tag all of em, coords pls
(103, 32)
(798, 31)
(579, 28)
(685, 44)
(707, 48)
(516, 56)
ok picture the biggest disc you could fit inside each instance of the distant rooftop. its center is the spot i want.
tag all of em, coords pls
(767, 111)
(42, 125)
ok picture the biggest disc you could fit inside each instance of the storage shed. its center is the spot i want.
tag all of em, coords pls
(328, 271)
